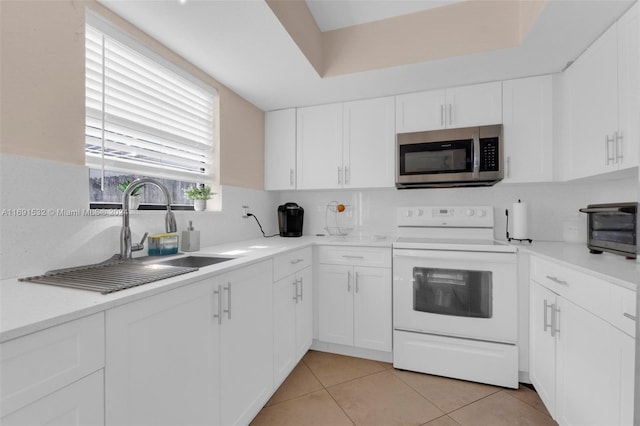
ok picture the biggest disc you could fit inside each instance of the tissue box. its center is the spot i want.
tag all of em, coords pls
(163, 244)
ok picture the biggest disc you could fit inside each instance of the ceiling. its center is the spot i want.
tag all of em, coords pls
(243, 45)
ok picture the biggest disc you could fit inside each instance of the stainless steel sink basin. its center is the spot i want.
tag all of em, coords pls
(193, 261)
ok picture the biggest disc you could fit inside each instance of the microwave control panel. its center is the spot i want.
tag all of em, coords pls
(489, 155)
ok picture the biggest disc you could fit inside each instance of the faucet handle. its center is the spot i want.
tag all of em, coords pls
(140, 245)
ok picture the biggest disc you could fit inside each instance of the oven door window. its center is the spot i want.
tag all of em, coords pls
(453, 292)
(436, 157)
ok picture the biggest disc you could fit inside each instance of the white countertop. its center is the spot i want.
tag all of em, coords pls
(607, 266)
(28, 307)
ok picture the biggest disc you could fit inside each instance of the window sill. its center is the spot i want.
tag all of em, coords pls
(118, 206)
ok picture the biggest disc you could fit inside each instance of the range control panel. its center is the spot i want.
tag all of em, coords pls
(446, 216)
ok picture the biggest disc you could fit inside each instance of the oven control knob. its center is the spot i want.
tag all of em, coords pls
(470, 212)
(409, 213)
(482, 213)
(419, 212)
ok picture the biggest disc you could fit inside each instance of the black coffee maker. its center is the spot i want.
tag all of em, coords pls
(290, 217)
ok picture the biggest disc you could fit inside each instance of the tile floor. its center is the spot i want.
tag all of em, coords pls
(334, 390)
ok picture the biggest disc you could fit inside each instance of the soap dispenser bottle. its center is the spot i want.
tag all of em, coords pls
(190, 239)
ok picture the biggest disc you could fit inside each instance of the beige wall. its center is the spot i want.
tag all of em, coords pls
(42, 90)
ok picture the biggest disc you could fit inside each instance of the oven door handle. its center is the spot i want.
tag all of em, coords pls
(499, 257)
(628, 210)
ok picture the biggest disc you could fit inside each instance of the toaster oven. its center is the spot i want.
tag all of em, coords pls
(612, 228)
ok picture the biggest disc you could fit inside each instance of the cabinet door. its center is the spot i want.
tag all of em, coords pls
(161, 359)
(284, 327)
(593, 108)
(542, 345)
(475, 105)
(304, 313)
(626, 352)
(628, 136)
(319, 147)
(280, 149)
(335, 291)
(416, 112)
(246, 342)
(372, 308)
(528, 131)
(369, 143)
(79, 404)
(587, 364)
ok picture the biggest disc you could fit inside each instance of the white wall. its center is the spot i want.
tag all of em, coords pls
(549, 204)
(51, 237)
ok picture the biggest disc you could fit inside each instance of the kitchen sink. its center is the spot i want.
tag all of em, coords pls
(194, 261)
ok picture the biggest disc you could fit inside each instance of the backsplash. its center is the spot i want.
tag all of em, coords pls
(373, 212)
(45, 224)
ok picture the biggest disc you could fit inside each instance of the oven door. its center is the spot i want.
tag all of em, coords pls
(456, 293)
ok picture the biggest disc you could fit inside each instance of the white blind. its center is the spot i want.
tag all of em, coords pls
(144, 118)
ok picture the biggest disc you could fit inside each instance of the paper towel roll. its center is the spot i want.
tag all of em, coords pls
(520, 231)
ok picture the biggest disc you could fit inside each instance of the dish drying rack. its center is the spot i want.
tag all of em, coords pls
(336, 230)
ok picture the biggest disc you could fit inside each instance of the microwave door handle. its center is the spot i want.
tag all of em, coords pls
(628, 210)
(476, 155)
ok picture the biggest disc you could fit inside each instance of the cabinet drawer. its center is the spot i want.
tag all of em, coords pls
(585, 291)
(623, 309)
(358, 256)
(38, 364)
(289, 263)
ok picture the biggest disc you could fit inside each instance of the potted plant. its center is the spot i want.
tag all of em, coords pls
(134, 201)
(199, 194)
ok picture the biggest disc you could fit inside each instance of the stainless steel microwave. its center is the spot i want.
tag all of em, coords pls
(612, 228)
(470, 156)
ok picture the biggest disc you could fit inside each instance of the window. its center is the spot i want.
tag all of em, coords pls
(144, 117)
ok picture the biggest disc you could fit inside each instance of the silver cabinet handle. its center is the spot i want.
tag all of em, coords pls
(607, 144)
(219, 312)
(619, 152)
(347, 175)
(349, 282)
(450, 113)
(557, 280)
(357, 288)
(442, 115)
(631, 317)
(339, 175)
(545, 319)
(349, 256)
(291, 177)
(301, 289)
(228, 310)
(508, 166)
(296, 261)
(295, 287)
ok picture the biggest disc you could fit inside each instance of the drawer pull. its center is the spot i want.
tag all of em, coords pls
(293, 262)
(557, 280)
(631, 317)
(348, 256)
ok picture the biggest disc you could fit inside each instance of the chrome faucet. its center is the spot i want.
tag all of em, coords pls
(126, 248)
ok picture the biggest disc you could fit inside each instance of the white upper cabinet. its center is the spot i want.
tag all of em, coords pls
(464, 106)
(603, 102)
(319, 147)
(369, 143)
(528, 130)
(280, 149)
(348, 145)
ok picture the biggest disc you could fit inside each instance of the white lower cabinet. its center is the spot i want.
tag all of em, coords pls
(162, 359)
(54, 376)
(246, 343)
(355, 301)
(581, 364)
(199, 354)
(292, 322)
